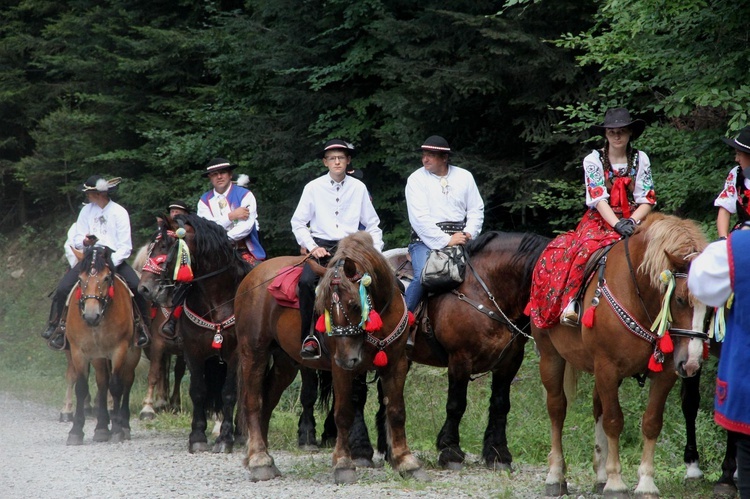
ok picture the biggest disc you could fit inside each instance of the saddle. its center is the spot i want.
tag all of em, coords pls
(571, 314)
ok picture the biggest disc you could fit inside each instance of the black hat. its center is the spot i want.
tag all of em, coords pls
(217, 165)
(435, 143)
(180, 205)
(100, 184)
(619, 117)
(741, 142)
(337, 144)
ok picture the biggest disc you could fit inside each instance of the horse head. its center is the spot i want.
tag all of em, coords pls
(95, 288)
(672, 243)
(355, 292)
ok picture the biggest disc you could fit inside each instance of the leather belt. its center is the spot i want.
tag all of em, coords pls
(447, 227)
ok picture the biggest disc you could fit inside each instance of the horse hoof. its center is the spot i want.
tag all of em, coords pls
(66, 417)
(198, 447)
(344, 475)
(263, 473)
(147, 415)
(599, 487)
(222, 448)
(117, 438)
(74, 439)
(102, 435)
(309, 448)
(725, 490)
(453, 465)
(556, 489)
(418, 474)
(621, 494)
(363, 462)
(498, 466)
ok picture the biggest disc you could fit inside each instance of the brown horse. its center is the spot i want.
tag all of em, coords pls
(640, 278)
(268, 335)
(99, 328)
(480, 328)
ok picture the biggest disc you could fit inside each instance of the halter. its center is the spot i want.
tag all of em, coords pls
(104, 297)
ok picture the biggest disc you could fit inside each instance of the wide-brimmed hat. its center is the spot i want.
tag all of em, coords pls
(619, 117)
(435, 143)
(217, 165)
(100, 184)
(741, 142)
(180, 205)
(336, 144)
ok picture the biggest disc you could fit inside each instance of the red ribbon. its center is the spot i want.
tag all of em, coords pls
(618, 197)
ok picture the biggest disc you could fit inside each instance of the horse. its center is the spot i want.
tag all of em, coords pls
(480, 327)
(643, 277)
(357, 280)
(195, 255)
(159, 352)
(100, 332)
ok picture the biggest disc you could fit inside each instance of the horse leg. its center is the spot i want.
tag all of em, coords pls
(651, 425)
(161, 381)
(123, 375)
(154, 371)
(359, 438)
(380, 424)
(306, 426)
(495, 450)
(450, 455)
(691, 397)
(81, 370)
(225, 442)
(601, 445)
(66, 414)
(197, 441)
(725, 485)
(552, 372)
(101, 371)
(343, 466)
(606, 385)
(175, 402)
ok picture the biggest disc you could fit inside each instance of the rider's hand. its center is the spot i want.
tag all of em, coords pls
(319, 252)
(241, 213)
(625, 227)
(90, 240)
(458, 238)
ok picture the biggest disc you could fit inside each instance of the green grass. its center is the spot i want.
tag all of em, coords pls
(28, 368)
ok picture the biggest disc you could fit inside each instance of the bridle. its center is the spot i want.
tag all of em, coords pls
(103, 296)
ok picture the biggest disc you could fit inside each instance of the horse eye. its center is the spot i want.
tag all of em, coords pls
(681, 301)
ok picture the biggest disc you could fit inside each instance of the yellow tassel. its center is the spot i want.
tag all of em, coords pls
(665, 314)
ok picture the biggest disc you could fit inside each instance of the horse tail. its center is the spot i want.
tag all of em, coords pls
(570, 382)
(325, 386)
(140, 259)
(215, 374)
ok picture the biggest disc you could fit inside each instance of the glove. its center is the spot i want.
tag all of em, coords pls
(625, 227)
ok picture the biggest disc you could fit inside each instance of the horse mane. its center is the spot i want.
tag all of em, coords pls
(528, 252)
(101, 262)
(669, 235)
(212, 246)
(359, 248)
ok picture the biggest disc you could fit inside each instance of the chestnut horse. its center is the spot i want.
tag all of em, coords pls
(358, 278)
(199, 248)
(641, 278)
(479, 328)
(100, 331)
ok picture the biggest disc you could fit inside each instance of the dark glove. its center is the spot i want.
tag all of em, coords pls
(625, 227)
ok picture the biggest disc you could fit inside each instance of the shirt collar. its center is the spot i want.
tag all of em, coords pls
(226, 193)
(333, 182)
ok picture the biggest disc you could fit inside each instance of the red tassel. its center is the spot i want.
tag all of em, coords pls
(374, 322)
(320, 326)
(655, 366)
(665, 343)
(111, 292)
(527, 310)
(185, 274)
(218, 340)
(705, 350)
(152, 312)
(78, 293)
(380, 360)
(177, 312)
(588, 317)
(410, 318)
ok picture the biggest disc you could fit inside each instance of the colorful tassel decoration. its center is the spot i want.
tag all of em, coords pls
(659, 327)
(184, 274)
(410, 318)
(183, 271)
(665, 343)
(588, 317)
(374, 322)
(380, 360)
(177, 311)
(111, 292)
(78, 293)
(655, 366)
(705, 350)
(320, 325)
(720, 325)
(152, 312)
(218, 340)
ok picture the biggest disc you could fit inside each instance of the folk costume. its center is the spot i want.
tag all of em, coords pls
(735, 196)
(327, 212)
(111, 227)
(719, 271)
(438, 207)
(559, 272)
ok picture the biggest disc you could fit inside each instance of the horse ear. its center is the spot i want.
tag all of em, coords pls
(677, 262)
(159, 221)
(78, 253)
(350, 267)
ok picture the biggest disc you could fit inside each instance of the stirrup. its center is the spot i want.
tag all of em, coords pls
(308, 355)
(571, 314)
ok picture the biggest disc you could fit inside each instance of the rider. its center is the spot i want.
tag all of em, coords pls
(735, 197)
(613, 174)
(445, 209)
(100, 221)
(334, 206)
(176, 207)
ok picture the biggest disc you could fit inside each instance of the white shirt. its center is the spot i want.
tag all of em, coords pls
(727, 199)
(709, 277)
(111, 225)
(334, 210)
(219, 212)
(70, 241)
(593, 171)
(430, 202)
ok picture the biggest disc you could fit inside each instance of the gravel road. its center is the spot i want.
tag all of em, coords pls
(36, 463)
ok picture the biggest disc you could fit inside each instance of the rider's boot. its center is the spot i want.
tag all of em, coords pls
(168, 329)
(54, 318)
(141, 324)
(310, 348)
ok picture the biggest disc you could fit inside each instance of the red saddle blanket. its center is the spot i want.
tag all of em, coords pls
(284, 286)
(559, 272)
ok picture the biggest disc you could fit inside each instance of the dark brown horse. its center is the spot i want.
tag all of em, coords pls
(642, 277)
(479, 328)
(99, 328)
(358, 278)
(206, 326)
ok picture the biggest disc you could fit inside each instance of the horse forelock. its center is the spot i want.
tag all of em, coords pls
(98, 258)
(666, 235)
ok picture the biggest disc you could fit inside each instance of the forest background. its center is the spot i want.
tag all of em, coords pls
(151, 90)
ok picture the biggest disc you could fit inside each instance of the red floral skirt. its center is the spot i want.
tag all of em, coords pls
(558, 275)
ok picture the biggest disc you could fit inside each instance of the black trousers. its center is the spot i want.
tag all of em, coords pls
(306, 291)
(71, 278)
(743, 464)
